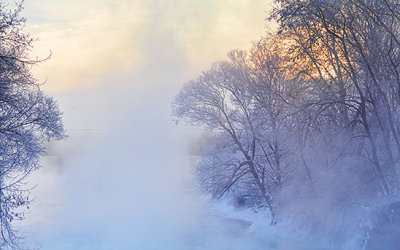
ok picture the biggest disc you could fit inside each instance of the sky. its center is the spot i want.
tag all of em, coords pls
(92, 39)
(123, 179)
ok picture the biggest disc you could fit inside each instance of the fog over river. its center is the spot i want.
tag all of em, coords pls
(123, 179)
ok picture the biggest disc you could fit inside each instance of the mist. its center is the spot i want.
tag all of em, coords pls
(124, 179)
(195, 125)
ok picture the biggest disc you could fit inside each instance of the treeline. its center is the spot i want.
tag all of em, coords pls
(307, 122)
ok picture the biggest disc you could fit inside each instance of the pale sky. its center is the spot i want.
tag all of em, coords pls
(94, 38)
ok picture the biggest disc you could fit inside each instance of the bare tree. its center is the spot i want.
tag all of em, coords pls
(28, 118)
(309, 115)
(348, 50)
(242, 101)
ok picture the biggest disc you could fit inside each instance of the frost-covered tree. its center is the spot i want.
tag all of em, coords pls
(241, 102)
(28, 118)
(346, 53)
(309, 117)
(349, 51)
